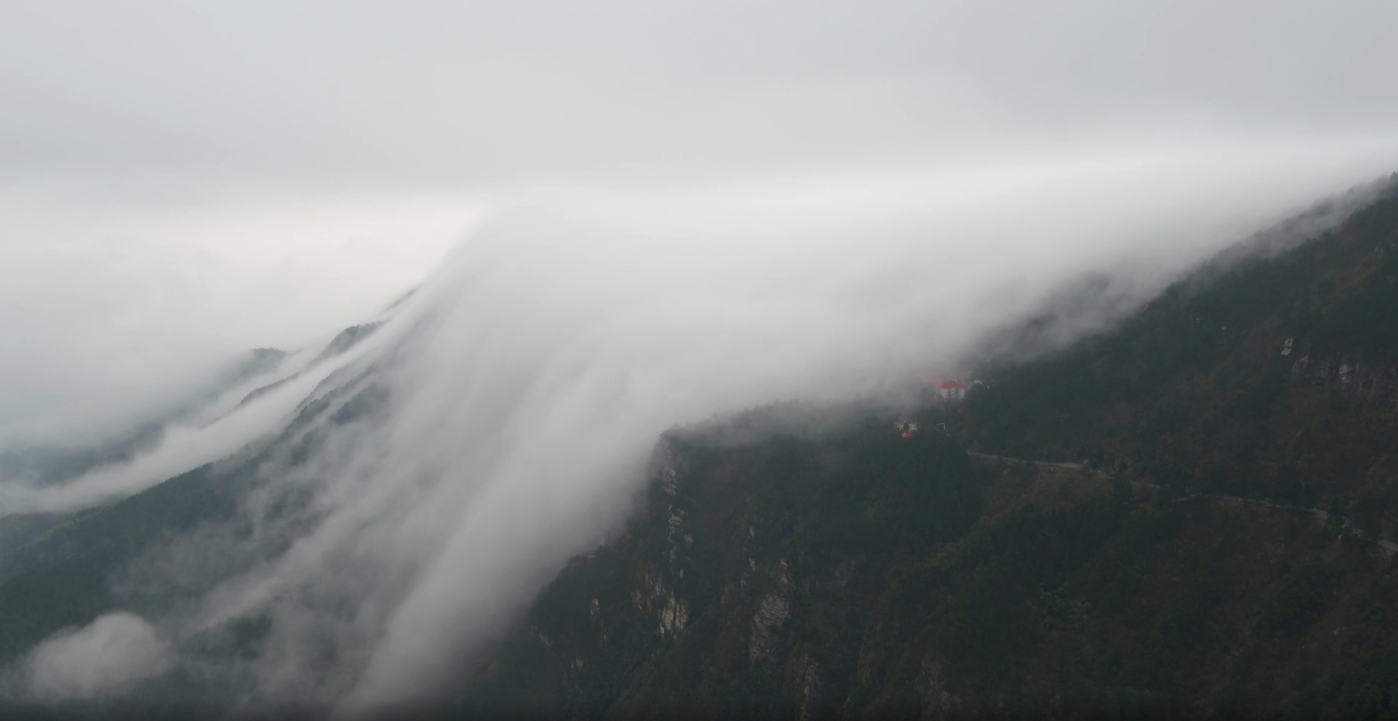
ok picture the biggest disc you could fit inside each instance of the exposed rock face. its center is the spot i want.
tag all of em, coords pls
(772, 612)
(704, 585)
(1374, 384)
(863, 575)
(810, 692)
(653, 596)
(673, 615)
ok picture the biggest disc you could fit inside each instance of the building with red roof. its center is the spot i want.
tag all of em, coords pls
(951, 390)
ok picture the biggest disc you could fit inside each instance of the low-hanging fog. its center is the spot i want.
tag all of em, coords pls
(529, 376)
(613, 221)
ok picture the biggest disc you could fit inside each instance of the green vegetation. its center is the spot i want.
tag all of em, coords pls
(787, 540)
(1197, 393)
(59, 570)
(836, 569)
(856, 574)
(811, 589)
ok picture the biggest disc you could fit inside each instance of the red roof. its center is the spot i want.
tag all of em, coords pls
(949, 384)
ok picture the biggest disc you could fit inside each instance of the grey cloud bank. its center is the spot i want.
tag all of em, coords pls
(506, 409)
(669, 211)
(143, 139)
(428, 92)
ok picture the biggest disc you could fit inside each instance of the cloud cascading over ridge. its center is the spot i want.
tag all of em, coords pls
(500, 418)
(670, 212)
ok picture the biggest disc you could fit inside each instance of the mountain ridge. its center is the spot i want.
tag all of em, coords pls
(810, 561)
(1129, 583)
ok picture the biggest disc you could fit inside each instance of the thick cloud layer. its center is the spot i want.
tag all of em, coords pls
(578, 328)
(696, 207)
(426, 92)
(500, 419)
(143, 139)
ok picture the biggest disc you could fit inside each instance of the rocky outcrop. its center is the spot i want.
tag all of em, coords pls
(772, 612)
(1373, 383)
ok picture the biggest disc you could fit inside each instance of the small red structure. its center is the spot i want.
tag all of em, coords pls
(951, 390)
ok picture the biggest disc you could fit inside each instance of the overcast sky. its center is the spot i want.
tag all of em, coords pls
(685, 208)
(413, 93)
(179, 180)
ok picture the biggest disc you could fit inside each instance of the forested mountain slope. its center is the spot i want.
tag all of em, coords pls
(805, 562)
(1276, 378)
(63, 570)
(862, 574)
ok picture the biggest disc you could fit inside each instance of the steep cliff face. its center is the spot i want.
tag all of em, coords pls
(859, 574)
(753, 581)
(870, 576)
(843, 570)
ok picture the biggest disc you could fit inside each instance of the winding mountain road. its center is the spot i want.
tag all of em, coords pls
(1388, 546)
